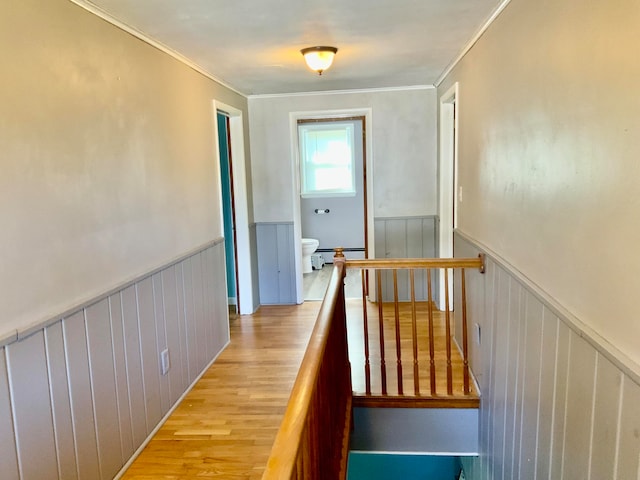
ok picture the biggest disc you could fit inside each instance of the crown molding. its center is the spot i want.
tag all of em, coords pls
(496, 13)
(342, 92)
(99, 12)
(107, 17)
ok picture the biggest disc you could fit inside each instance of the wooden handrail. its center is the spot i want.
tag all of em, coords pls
(312, 442)
(404, 263)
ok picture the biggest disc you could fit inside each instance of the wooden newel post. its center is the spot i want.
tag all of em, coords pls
(339, 259)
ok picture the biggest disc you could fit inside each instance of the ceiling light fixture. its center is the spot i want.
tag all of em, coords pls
(319, 58)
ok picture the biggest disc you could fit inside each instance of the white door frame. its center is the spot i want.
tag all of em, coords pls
(448, 128)
(241, 220)
(367, 113)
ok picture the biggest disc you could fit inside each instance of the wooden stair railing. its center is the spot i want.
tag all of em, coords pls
(313, 439)
(418, 318)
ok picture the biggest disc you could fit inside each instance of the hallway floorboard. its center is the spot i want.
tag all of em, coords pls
(225, 426)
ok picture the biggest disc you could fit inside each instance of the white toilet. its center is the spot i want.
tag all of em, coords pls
(309, 245)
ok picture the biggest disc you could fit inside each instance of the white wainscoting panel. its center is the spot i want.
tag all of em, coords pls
(555, 404)
(81, 394)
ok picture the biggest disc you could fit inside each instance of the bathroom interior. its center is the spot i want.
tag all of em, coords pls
(316, 278)
(332, 200)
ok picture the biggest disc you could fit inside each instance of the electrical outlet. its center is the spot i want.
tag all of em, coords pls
(165, 363)
(478, 331)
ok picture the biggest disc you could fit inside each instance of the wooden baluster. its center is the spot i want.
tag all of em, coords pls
(414, 335)
(432, 361)
(397, 324)
(448, 332)
(383, 367)
(365, 321)
(465, 348)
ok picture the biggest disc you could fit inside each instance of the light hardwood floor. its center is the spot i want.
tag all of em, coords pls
(226, 425)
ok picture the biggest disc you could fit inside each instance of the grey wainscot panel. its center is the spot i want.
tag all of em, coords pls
(555, 402)
(406, 237)
(276, 270)
(33, 420)
(8, 452)
(84, 390)
(103, 386)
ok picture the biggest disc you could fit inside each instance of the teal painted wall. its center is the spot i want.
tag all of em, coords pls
(371, 466)
(225, 178)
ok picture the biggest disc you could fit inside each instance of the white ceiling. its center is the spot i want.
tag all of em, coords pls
(254, 45)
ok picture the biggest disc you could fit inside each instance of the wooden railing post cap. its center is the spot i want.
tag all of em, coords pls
(482, 258)
(339, 254)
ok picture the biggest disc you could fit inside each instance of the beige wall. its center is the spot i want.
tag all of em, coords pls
(549, 126)
(107, 162)
(404, 150)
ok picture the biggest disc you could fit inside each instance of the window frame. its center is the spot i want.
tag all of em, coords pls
(305, 163)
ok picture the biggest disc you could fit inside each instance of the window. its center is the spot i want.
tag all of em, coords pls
(326, 159)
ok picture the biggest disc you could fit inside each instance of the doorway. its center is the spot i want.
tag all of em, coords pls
(229, 130)
(329, 212)
(228, 209)
(448, 127)
(332, 195)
